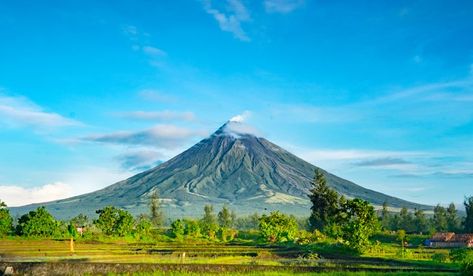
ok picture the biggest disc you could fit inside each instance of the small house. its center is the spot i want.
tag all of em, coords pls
(451, 239)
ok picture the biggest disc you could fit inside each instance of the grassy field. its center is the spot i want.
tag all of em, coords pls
(200, 257)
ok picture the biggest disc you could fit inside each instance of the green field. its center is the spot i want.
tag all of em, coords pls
(197, 257)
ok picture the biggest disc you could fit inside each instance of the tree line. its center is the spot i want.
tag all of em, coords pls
(350, 221)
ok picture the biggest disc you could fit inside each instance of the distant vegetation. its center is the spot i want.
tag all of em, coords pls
(336, 226)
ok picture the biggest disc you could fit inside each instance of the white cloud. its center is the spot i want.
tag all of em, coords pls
(17, 196)
(353, 154)
(166, 115)
(282, 6)
(230, 20)
(19, 111)
(241, 117)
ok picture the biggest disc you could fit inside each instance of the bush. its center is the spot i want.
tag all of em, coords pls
(38, 223)
(177, 229)
(6, 221)
(440, 258)
(278, 227)
(114, 222)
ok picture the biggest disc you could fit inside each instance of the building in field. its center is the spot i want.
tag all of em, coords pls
(451, 239)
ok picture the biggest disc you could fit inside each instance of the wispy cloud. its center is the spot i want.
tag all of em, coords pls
(167, 136)
(166, 115)
(19, 111)
(230, 17)
(153, 51)
(140, 160)
(282, 6)
(382, 162)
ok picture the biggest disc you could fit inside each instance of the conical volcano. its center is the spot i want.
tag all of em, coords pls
(234, 167)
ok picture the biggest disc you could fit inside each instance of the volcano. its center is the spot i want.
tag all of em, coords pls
(232, 167)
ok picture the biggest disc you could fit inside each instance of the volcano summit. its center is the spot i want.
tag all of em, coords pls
(234, 166)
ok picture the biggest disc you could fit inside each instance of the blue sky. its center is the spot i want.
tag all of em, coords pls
(379, 93)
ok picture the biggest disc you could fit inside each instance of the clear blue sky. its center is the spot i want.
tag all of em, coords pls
(379, 93)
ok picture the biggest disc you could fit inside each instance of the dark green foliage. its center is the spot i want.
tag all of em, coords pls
(278, 227)
(72, 230)
(177, 229)
(114, 222)
(453, 221)
(359, 223)
(157, 215)
(406, 221)
(37, 223)
(6, 221)
(325, 202)
(469, 214)
(420, 222)
(464, 257)
(440, 219)
(225, 218)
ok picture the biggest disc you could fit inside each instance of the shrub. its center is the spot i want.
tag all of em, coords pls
(177, 229)
(38, 223)
(278, 227)
(440, 258)
(114, 222)
(6, 221)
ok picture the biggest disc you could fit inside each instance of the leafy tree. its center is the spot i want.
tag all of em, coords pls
(406, 221)
(37, 223)
(440, 219)
(401, 236)
(469, 214)
(177, 229)
(360, 223)
(278, 227)
(157, 215)
(143, 226)
(420, 222)
(192, 228)
(385, 216)
(225, 218)
(6, 221)
(325, 202)
(453, 221)
(114, 222)
(80, 220)
(209, 226)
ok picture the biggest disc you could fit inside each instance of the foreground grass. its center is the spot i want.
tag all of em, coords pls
(275, 273)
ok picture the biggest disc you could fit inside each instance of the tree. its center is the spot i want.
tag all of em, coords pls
(453, 221)
(80, 220)
(225, 218)
(385, 216)
(114, 222)
(157, 216)
(420, 222)
(325, 202)
(469, 214)
(360, 223)
(278, 227)
(440, 219)
(37, 223)
(192, 228)
(209, 222)
(406, 221)
(143, 226)
(6, 221)
(177, 229)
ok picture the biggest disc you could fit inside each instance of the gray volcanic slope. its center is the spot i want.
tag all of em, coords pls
(245, 172)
